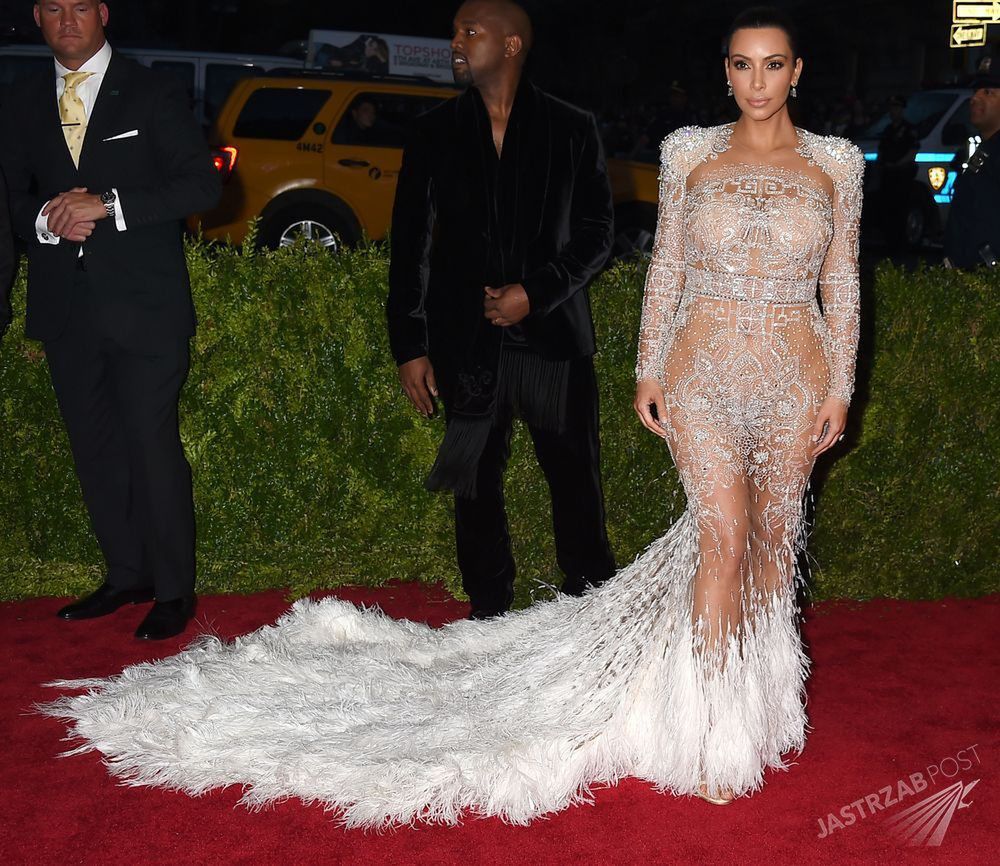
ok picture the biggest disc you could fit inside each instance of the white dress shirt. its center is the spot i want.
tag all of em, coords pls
(87, 90)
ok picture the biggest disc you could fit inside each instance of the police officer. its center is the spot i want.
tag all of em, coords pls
(972, 236)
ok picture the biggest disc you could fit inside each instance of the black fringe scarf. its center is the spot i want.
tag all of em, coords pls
(535, 388)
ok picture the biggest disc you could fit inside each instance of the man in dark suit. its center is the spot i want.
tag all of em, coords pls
(502, 217)
(103, 160)
(7, 259)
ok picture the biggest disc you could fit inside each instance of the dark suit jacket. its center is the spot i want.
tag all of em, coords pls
(6, 258)
(162, 174)
(974, 216)
(441, 232)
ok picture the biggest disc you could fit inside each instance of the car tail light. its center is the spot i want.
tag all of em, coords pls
(225, 160)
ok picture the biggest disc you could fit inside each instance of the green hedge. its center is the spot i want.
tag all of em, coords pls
(308, 463)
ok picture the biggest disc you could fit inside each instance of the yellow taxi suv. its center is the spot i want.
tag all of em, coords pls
(312, 155)
(317, 155)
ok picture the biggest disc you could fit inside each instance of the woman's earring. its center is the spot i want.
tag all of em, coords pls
(794, 91)
(730, 91)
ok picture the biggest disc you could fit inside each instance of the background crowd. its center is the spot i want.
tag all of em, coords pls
(634, 132)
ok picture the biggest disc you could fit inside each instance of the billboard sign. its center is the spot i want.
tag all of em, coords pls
(380, 54)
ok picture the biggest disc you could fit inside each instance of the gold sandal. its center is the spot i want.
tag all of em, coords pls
(718, 801)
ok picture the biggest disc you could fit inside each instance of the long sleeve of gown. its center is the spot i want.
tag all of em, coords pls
(665, 277)
(839, 283)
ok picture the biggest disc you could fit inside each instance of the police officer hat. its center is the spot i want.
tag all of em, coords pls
(987, 73)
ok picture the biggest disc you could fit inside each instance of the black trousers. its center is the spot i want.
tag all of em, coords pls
(119, 403)
(571, 464)
(894, 190)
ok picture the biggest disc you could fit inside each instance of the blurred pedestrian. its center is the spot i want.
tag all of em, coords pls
(675, 114)
(897, 150)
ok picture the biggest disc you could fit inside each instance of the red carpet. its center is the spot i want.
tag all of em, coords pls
(897, 688)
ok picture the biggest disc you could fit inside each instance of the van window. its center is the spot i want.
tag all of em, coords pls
(280, 113)
(962, 116)
(923, 110)
(380, 119)
(181, 70)
(220, 79)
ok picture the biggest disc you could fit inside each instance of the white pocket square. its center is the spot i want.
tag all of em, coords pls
(132, 133)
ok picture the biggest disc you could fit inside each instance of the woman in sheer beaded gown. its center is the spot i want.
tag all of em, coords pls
(687, 668)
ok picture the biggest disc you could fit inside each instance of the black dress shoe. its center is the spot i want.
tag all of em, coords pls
(167, 618)
(577, 586)
(104, 600)
(480, 613)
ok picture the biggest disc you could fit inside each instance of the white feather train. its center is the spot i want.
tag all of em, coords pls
(386, 721)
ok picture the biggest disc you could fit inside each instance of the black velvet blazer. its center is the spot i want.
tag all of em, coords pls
(443, 239)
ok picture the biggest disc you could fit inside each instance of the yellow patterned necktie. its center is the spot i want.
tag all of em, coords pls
(73, 114)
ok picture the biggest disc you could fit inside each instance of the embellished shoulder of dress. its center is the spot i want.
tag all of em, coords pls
(684, 148)
(840, 158)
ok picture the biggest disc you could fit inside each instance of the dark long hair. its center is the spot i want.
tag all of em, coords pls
(757, 17)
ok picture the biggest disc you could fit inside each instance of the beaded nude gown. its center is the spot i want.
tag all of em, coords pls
(687, 666)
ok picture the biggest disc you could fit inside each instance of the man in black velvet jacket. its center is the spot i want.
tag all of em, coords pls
(103, 160)
(502, 217)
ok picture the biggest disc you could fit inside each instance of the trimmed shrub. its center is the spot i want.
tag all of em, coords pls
(911, 510)
(308, 461)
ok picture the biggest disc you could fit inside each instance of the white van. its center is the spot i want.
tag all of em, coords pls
(208, 77)
(947, 139)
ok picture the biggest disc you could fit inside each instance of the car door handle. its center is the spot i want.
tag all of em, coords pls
(354, 163)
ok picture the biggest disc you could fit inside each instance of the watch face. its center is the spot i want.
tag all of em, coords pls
(107, 197)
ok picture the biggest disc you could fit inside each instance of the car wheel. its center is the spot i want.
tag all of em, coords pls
(311, 223)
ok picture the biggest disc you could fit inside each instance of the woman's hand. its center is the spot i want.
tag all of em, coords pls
(830, 424)
(648, 394)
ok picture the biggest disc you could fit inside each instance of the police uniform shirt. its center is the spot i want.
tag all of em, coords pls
(974, 218)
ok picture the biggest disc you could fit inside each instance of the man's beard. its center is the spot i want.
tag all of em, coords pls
(462, 76)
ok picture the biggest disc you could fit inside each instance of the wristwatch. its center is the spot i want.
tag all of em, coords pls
(108, 199)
